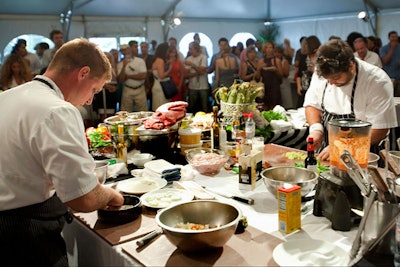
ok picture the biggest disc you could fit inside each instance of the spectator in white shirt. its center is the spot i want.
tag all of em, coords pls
(361, 51)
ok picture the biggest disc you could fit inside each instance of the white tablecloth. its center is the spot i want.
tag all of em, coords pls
(86, 248)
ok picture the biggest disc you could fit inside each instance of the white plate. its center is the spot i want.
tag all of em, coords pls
(309, 252)
(165, 197)
(141, 185)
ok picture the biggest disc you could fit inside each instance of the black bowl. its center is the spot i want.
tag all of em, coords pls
(130, 211)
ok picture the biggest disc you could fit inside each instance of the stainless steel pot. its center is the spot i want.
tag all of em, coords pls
(156, 142)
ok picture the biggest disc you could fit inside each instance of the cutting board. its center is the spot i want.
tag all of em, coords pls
(274, 156)
(251, 248)
(116, 234)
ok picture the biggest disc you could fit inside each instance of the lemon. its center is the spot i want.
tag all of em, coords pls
(200, 113)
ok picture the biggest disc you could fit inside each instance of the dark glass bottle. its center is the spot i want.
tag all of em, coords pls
(215, 128)
(310, 162)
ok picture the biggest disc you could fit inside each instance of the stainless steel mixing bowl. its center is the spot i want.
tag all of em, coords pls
(214, 213)
(275, 177)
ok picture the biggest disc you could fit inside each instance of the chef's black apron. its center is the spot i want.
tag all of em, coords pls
(31, 235)
(328, 116)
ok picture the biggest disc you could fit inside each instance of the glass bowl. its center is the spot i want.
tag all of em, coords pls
(206, 161)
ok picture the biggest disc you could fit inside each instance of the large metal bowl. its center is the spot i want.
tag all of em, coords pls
(214, 213)
(275, 177)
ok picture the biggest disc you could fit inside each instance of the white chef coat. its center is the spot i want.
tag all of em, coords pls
(373, 99)
(43, 149)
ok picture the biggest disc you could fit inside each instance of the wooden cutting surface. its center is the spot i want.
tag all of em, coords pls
(118, 233)
(251, 248)
(274, 156)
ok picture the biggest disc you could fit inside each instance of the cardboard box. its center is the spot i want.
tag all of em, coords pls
(289, 208)
(250, 167)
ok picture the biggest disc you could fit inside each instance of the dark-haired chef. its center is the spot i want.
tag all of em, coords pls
(345, 87)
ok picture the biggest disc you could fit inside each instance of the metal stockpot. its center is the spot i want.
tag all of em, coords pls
(156, 142)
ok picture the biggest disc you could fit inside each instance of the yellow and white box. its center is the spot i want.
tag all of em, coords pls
(289, 208)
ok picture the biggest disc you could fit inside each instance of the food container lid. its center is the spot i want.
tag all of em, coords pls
(349, 123)
(133, 118)
(189, 130)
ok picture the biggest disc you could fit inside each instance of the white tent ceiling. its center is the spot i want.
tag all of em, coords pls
(199, 9)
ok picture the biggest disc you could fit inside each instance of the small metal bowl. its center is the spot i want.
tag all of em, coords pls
(275, 177)
(129, 212)
(214, 213)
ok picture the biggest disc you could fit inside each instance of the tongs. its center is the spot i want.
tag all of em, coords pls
(356, 173)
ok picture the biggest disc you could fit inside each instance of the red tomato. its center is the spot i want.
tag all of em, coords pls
(106, 137)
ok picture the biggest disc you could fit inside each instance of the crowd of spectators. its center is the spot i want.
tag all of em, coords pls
(286, 73)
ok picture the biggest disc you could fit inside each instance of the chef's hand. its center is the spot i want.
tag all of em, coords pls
(115, 199)
(324, 154)
(318, 137)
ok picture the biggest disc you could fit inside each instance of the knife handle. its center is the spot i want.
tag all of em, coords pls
(246, 200)
(148, 238)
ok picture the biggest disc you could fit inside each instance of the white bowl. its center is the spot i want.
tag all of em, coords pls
(373, 159)
(140, 159)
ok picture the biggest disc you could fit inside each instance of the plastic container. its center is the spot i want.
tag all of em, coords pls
(189, 135)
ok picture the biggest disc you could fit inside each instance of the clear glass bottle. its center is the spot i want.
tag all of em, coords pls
(310, 162)
(250, 127)
(215, 129)
(235, 124)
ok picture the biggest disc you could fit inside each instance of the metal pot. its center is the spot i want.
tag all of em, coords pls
(159, 143)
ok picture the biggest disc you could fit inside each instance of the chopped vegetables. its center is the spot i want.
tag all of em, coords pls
(98, 137)
(320, 168)
(295, 155)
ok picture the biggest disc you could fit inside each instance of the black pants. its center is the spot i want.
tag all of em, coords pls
(32, 242)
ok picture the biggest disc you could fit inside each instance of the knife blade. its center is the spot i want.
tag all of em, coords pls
(242, 199)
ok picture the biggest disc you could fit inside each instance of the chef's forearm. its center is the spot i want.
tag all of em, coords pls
(313, 115)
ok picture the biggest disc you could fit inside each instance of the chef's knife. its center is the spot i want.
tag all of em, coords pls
(246, 200)
(391, 163)
(380, 184)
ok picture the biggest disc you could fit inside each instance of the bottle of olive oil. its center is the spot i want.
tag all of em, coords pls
(122, 150)
(235, 125)
(215, 128)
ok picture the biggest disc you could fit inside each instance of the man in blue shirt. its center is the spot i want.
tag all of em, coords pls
(390, 55)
